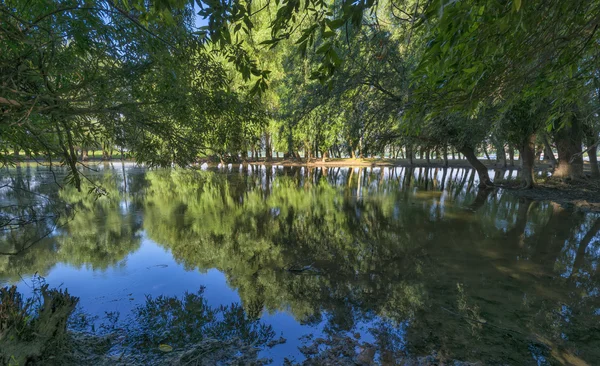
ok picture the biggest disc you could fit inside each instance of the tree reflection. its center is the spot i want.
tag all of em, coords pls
(78, 228)
(103, 231)
(476, 276)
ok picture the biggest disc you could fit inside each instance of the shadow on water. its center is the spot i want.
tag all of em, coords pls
(385, 263)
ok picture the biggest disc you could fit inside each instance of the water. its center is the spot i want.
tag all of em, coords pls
(372, 263)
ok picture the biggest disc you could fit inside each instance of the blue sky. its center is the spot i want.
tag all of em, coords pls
(199, 21)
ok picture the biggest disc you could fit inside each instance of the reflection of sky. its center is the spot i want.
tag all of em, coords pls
(151, 270)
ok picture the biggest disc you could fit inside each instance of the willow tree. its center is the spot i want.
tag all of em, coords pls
(76, 75)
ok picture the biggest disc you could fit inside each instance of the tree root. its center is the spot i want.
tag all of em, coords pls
(30, 328)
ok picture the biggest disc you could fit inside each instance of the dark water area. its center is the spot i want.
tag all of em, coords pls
(364, 265)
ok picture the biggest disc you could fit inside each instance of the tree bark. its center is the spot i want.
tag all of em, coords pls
(482, 170)
(568, 145)
(324, 155)
(527, 152)
(511, 155)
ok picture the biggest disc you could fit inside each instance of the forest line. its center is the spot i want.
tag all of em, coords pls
(173, 82)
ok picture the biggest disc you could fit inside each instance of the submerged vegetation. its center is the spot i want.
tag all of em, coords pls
(175, 82)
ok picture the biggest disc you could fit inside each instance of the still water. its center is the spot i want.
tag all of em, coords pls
(338, 265)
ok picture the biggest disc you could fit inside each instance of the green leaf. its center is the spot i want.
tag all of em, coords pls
(517, 4)
(336, 23)
(269, 41)
(335, 58)
(324, 48)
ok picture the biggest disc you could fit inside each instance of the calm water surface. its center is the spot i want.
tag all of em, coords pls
(391, 262)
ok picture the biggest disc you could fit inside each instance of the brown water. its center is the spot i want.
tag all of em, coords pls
(352, 265)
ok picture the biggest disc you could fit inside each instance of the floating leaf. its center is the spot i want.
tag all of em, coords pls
(165, 347)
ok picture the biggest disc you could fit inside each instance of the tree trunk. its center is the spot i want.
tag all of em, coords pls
(511, 155)
(592, 150)
(324, 156)
(427, 154)
(268, 147)
(445, 156)
(548, 154)
(500, 154)
(485, 152)
(527, 152)
(568, 145)
(593, 154)
(482, 171)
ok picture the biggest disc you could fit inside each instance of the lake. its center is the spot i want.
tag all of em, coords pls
(338, 265)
